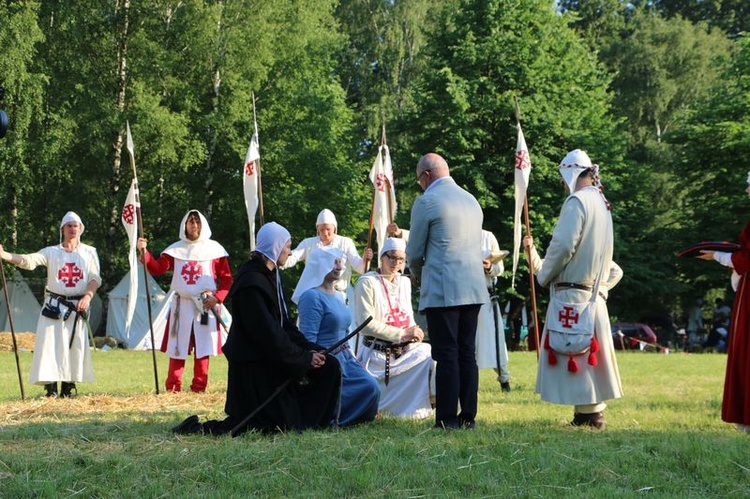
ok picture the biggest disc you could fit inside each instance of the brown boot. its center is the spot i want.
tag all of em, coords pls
(595, 420)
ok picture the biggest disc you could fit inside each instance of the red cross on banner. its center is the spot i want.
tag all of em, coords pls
(70, 274)
(522, 160)
(381, 182)
(566, 317)
(191, 271)
(250, 168)
(128, 214)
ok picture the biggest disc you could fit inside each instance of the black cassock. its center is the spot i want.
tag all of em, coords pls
(264, 349)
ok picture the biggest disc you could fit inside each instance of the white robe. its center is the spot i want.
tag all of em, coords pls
(408, 391)
(352, 258)
(68, 274)
(487, 349)
(583, 232)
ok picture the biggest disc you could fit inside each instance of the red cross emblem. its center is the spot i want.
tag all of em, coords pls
(128, 214)
(191, 271)
(567, 318)
(380, 182)
(522, 159)
(249, 168)
(70, 274)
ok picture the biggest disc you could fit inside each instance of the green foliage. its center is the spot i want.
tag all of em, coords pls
(642, 86)
(481, 56)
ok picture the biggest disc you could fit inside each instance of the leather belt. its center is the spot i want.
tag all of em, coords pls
(575, 285)
(395, 349)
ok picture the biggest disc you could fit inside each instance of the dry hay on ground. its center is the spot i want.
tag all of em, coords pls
(25, 342)
(38, 408)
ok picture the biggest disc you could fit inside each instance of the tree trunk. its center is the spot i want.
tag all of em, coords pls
(123, 8)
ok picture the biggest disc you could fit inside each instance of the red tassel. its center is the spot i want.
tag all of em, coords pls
(592, 359)
(594, 345)
(551, 358)
(572, 366)
(592, 352)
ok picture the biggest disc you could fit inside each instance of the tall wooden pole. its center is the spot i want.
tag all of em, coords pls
(257, 162)
(532, 284)
(143, 257)
(12, 330)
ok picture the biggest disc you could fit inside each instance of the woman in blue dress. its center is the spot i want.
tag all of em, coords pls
(324, 319)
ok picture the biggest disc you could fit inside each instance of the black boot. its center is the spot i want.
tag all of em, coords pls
(189, 426)
(51, 390)
(66, 389)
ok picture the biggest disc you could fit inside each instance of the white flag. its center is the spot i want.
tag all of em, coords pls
(130, 222)
(522, 171)
(384, 207)
(250, 180)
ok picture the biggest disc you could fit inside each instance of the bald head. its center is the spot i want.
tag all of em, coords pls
(430, 168)
(434, 162)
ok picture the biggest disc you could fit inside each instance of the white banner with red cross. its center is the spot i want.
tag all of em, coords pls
(384, 209)
(130, 222)
(250, 182)
(522, 171)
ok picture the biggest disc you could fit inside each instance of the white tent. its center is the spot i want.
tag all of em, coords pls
(24, 305)
(139, 337)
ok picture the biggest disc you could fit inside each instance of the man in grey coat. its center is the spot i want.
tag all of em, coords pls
(444, 254)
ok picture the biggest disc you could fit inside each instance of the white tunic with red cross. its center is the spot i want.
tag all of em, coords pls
(192, 275)
(60, 354)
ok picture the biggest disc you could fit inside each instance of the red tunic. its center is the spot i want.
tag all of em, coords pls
(735, 407)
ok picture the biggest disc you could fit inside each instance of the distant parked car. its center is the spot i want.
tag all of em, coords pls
(632, 334)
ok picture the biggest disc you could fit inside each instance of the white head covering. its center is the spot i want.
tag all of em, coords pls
(271, 239)
(205, 234)
(318, 265)
(575, 163)
(392, 244)
(327, 217)
(572, 165)
(70, 216)
(748, 177)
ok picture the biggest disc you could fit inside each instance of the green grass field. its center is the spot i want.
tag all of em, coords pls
(664, 438)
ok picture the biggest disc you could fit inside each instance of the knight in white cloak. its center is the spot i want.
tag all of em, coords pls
(392, 350)
(201, 278)
(579, 253)
(61, 350)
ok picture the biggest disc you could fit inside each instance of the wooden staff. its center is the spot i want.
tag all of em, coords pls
(532, 285)
(388, 185)
(257, 164)
(143, 255)
(12, 330)
(369, 231)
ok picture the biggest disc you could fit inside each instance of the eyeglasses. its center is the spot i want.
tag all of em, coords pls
(419, 177)
(395, 260)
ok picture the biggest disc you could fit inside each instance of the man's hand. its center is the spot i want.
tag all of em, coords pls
(318, 360)
(412, 334)
(209, 300)
(706, 255)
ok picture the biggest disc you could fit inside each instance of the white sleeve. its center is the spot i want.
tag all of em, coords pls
(298, 254)
(723, 258)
